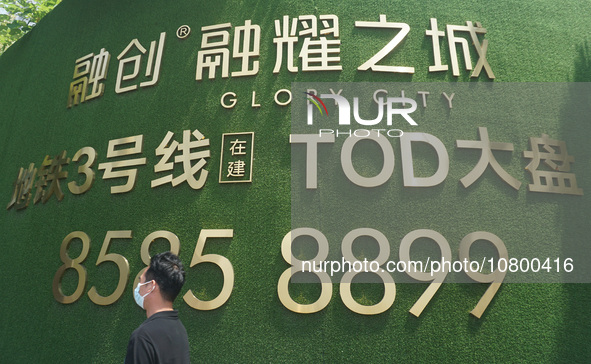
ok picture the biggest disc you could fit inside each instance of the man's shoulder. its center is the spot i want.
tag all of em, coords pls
(162, 335)
(141, 347)
(142, 332)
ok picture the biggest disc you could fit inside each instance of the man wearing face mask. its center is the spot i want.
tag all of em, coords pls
(162, 338)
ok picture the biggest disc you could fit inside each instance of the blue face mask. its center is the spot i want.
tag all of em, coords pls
(139, 299)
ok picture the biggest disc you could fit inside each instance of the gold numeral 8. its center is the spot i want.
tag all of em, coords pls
(389, 285)
(296, 266)
(173, 240)
(71, 263)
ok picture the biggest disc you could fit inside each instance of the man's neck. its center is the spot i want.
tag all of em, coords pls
(166, 306)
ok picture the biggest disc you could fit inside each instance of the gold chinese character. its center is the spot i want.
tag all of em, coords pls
(555, 157)
(236, 169)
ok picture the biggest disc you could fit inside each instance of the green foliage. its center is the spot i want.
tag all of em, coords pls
(540, 323)
(22, 16)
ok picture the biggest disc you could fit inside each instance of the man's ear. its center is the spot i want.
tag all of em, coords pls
(156, 287)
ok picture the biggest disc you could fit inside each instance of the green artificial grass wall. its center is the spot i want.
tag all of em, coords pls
(536, 41)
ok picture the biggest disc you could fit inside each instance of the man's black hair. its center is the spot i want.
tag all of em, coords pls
(167, 270)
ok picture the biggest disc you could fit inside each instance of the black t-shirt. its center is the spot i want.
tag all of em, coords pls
(162, 338)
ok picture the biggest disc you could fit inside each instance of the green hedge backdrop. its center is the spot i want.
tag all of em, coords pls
(535, 41)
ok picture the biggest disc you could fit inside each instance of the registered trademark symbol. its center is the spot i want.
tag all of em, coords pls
(183, 31)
